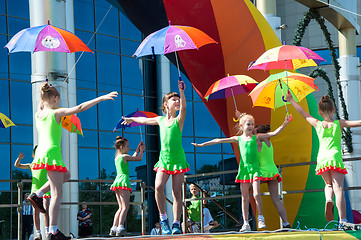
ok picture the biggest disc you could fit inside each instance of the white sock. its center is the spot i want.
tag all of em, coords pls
(47, 229)
(246, 222)
(114, 228)
(163, 216)
(38, 231)
(120, 228)
(285, 223)
(52, 229)
(39, 193)
(260, 217)
(343, 220)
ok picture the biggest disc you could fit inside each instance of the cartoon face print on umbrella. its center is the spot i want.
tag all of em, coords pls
(50, 42)
(179, 42)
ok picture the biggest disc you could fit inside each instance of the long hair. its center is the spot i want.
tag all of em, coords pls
(242, 120)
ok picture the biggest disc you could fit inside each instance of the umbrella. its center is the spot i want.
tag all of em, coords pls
(133, 124)
(46, 38)
(286, 57)
(72, 124)
(270, 92)
(173, 38)
(230, 86)
(5, 121)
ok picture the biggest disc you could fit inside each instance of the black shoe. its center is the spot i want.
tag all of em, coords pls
(59, 236)
(287, 226)
(37, 202)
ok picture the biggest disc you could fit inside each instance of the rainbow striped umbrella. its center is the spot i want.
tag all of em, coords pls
(230, 86)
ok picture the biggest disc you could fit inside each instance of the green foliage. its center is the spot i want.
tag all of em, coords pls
(318, 72)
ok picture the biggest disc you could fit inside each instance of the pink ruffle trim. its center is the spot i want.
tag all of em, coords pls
(247, 180)
(121, 188)
(49, 167)
(46, 196)
(337, 169)
(157, 169)
(279, 179)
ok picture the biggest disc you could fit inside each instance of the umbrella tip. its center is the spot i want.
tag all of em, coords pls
(169, 22)
(48, 22)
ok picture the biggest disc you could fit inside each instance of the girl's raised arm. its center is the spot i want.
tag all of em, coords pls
(311, 120)
(182, 111)
(20, 165)
(262, 136)
(348, 123)
(141, 120)
(217, 141)
(138, 154)
(61, 112)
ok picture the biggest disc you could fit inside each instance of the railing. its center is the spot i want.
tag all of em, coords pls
(19, 205)
(281, 192)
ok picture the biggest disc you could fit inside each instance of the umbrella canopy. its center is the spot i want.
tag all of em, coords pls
(230, 86)
(134, 114)
(171, 39)
(5, 121)
(46, 38)
(72, 124)
(287, 57)
(270, 92)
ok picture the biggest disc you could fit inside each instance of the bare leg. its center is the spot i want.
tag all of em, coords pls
(337, 184)
(328, 187)
(245, 200)
(125, 196)
(117, 213)
(161, 179)
(46, 215)
(36, 218)
(273, 189)
(177, 181)
(56, 187)
(46, 187)
(257, 196)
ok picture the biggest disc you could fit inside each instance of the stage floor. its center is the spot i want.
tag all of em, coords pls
(268, 235)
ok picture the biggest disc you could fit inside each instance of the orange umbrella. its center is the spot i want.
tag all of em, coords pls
(72, 124)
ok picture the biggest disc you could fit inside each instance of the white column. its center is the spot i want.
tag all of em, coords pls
(73, 138)
(268, 9)
(54, 66)
(350, 81)
(164, 87)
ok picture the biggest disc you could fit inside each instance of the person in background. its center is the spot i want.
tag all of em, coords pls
(27, 217)
(157, 230)
(85, 226)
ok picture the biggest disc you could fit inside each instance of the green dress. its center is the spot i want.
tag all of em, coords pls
(267, 165)
(248, 170)
(329, 154)
(122, 180)
(39, 178)
(48, 154)
(194, 210)
(172, 159)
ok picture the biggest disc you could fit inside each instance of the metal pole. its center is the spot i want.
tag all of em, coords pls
(202, 219)
(280, 194)
(20, 209)
(184, 187)
(142, 193)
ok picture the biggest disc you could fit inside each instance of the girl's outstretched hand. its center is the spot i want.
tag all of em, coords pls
(181, 86)
(127, 121)
(288, 118)
(289, 96)
(21, 156)
(141, 146)
(109, 96)
(196, 145)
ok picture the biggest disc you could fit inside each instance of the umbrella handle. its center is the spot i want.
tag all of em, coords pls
(183, 86)
(283, 98)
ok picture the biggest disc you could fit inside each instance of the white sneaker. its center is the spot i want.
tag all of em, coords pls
(112, 233)
(245, 228)
(37, 236)
(261, 223)
(120, 233)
